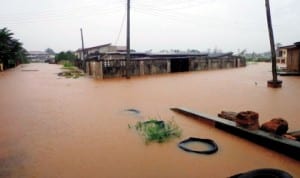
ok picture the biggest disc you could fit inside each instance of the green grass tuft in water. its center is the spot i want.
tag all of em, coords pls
(158, 131)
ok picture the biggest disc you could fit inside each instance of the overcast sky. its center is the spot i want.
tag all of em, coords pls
(155, 24)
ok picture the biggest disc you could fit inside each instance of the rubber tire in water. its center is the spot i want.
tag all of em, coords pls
(264, 173)
(213, 146)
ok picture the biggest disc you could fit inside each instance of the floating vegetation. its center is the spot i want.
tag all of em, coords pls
(157, 130)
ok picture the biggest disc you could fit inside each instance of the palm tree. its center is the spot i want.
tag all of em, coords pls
(274, 83)
(11, 50)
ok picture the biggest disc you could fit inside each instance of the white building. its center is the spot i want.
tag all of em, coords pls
(39, 56)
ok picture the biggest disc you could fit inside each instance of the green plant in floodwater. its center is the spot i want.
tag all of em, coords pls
(66, 64)
(157, 130)
(70, 71)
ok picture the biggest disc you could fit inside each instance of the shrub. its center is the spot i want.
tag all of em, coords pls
(157, 130)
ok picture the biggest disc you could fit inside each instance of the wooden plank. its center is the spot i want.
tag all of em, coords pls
(277, 143)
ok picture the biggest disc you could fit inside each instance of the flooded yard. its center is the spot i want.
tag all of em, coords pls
(57, 127)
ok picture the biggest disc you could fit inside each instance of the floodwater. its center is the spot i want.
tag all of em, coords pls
(57, 127)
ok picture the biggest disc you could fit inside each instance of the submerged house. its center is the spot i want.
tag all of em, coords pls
(80, 54)
(290, 55)
(113, 64)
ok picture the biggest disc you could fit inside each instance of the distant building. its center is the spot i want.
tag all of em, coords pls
(99, 49)
(39, 56)
(290, 55)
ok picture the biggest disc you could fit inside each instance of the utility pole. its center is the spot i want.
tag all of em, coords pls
(128, 40)
(83, 51)
(274, 83)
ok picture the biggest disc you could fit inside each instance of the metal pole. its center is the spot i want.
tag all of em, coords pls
(128, 40)
(82, 43)
(272, 45)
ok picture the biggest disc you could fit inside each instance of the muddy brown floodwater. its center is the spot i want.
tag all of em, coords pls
(58, 127)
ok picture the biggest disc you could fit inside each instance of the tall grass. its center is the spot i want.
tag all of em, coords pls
(67, 64)
(157, 130)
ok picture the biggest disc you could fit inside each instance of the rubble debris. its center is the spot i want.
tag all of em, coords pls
(248, 119)
(277, 126)
(295, 134)
(228, 115)
(288, 136)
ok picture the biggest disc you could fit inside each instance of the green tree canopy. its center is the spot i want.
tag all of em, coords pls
(65, 56)
(50, 51)
(12, 52)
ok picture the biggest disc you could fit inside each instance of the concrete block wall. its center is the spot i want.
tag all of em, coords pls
(116, 68)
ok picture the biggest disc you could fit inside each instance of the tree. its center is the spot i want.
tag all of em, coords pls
(65, 56)
(12, 52)
(50, 51)
(275, 83)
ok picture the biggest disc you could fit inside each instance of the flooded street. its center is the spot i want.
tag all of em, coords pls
(58, 127)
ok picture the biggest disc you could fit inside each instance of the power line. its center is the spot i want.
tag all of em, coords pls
(121, 28)
(63, 16)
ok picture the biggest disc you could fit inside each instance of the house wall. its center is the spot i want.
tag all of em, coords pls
(101, 49)
(229, 63)
(113, 57)
(293, 59)
(117, 68)
(215, 64)
(198, 64)
(113, 68)
(156, 67)
(134, 68)
(282, 58)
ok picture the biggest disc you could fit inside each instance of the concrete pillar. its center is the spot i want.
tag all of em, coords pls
(1, 67)
(93, 69)
(142, 68)
(234, 62)
(168, 66)
(100, 74)
(87, 67)
(238, 62)
(222, 63)
(98, 70)
(152, 69)
(208, 63)
(190, 64)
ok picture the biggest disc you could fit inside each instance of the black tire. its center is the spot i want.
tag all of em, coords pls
(264, 173)
(213, 146)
